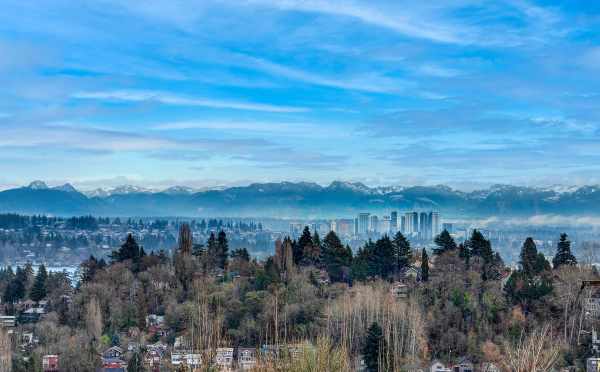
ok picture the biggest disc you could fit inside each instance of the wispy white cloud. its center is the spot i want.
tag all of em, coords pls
(369, 82)
(438, 71)
(250, 126)
(409, 24)
(291, 130)
(180, 100)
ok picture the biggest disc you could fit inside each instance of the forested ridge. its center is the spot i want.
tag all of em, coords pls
(386, 307)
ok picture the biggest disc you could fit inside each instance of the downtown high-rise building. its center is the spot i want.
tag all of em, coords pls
(363, 223)
(394, 222)
(424, 226)
(403, 224)
(436, 223)
(385, 225)
(374, 224)
(411, 223)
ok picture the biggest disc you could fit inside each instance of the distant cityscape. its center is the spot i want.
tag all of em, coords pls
(420, 226)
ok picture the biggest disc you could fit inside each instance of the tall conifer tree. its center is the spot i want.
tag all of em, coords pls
(563, 253)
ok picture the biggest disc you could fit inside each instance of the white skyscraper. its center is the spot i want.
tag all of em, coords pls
(435, 221)
(363, 223)
(385, 225)
(374, 225)
(394, 226)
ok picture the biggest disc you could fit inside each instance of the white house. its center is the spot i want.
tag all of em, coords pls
(246, 358)
(439, 367)
(190, 359)
(224, 358)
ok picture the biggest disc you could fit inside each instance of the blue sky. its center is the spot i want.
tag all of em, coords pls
(462, 92)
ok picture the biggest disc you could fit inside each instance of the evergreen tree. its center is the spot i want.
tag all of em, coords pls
(316, 240)
(563, 253)
(479, 246)
(313, 256)
(532, 262)
(360, 265)
(424, 266)
(8, 276)
(241, 253)
(337, 258)
(183, 263)
(19, 285)
(130, 250)
(212, 251)
(222, 250)
(304, 244)
(374, 349)
(381, 259)
(402, 251)
(444, 243)
(532, 281)
(38, 291)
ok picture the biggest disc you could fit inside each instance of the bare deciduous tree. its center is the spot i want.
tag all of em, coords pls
(5, 351)
(93, 320)
(536, 352)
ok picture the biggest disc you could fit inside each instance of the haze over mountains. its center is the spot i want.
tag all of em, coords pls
(299, 200)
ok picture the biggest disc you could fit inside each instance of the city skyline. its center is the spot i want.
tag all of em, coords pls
(465, 93)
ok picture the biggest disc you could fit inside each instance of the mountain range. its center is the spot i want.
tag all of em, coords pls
(299, 200)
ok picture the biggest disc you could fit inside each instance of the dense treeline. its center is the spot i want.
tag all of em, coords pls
(17, 221)
(391, 303)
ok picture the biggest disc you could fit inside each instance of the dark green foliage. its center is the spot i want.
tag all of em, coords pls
(241, 253)
(360, 265)
(83, 223)
(222, 250)
(337, 258)
(13, 221)
(563, 253)
(382, 261)
(402, 251)
(374, 348)
(424, 266)
(444, 243)
(16, 289)
(267, 276)
(480, 247)
(212, 250)
(532, 262)
(304, 244)
(130, 250)
(8, 277)
(316, 240)
(39, 289)
(533, 280)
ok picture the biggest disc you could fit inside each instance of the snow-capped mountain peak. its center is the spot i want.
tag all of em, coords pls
(67, 187)
(129, 189)
(179, 190)
(38, 185)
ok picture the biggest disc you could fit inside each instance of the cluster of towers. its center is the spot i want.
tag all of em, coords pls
(422, 225)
